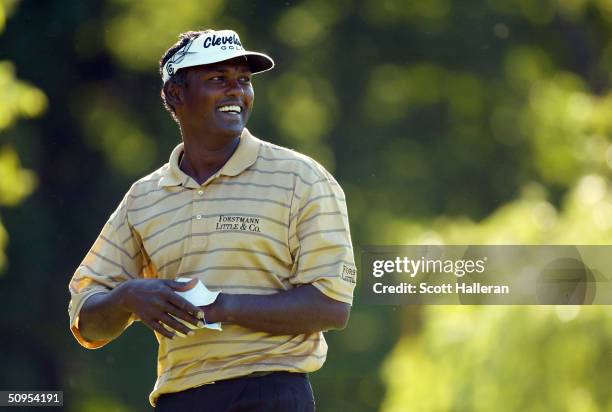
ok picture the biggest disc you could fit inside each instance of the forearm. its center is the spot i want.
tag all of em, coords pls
(102, 317)
(300, 310)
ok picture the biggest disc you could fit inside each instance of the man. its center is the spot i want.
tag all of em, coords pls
(265, 225)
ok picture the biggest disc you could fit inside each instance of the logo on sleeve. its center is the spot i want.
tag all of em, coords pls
(349, 274)
(237, 222)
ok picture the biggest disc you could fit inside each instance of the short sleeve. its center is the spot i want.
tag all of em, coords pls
(320, 239)
(116, 256)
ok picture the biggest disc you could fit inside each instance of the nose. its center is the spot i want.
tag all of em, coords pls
(234, 88)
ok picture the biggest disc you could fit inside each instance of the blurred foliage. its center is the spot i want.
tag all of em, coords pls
(444, 121)
(532, 358)
(111, 126)
(309, 23)
(15, 182)
(19, 99)
(136, 31)
(537, 358)
(583, 218)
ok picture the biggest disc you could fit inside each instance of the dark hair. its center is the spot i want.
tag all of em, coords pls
(179, 76)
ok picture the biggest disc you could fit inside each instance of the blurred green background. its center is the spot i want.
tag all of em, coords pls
(467, 122)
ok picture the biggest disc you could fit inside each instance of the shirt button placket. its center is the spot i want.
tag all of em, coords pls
(199, 223)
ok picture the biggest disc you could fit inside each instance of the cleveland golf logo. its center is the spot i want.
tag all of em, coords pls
(226, 42)
(178, 57)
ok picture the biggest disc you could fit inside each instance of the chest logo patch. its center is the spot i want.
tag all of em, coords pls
(237, 222)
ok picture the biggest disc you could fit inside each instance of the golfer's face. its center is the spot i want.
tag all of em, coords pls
(219, 97)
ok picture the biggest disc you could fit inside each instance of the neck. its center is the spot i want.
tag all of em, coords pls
(202, 158)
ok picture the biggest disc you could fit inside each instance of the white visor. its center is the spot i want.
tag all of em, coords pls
(213, 47)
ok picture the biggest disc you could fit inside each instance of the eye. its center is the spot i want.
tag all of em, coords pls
(245, 79)
(217, 79)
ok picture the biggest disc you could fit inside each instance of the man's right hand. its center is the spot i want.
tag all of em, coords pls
(154, 300)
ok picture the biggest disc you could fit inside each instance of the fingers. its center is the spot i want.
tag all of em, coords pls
(159, 328)
(188, 311)
(164, 311)
(173, 309)
(182, 286)
(167, 326)
(174, 324)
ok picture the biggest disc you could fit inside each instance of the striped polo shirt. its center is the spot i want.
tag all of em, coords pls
(269, 220)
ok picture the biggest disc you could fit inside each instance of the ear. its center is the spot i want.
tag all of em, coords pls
(174, 94)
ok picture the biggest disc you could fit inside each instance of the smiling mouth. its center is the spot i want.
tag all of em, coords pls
(230, 109)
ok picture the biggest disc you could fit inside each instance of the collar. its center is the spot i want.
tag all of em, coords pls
(243, 157)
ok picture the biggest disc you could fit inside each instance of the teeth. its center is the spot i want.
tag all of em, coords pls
(233, 108)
